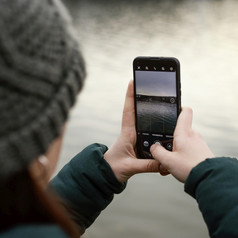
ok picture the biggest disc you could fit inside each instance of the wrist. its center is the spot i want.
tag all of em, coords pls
(110, 159)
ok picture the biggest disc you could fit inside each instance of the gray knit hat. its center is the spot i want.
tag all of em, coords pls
(41, 72)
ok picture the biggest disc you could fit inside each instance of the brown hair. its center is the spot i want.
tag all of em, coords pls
(23, 201)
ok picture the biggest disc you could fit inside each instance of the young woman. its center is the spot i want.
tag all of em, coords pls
(41, 73)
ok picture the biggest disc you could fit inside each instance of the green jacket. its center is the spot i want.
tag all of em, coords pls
(87, 184)
(214, 184)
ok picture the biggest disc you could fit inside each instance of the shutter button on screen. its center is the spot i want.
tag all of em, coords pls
(157, 142)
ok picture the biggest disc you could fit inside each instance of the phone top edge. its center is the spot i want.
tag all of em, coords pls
(156, 58)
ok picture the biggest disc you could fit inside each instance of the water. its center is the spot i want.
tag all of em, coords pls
(203, 35)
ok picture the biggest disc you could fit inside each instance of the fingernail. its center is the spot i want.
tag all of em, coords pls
(152, 148)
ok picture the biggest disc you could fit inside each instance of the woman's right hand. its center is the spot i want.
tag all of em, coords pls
(189, 149)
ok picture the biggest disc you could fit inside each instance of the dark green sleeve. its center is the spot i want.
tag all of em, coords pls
(214, 184)
(87, 185)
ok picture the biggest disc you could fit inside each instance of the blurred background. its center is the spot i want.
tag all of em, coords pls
(203, 35)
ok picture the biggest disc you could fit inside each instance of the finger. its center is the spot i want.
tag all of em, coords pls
(128, 117)
(184, 123)
(163, 170)
(162, 155)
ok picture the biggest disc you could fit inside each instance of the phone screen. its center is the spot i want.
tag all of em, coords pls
(157, 102)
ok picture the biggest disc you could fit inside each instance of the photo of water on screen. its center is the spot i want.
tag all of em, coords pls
(156, 101)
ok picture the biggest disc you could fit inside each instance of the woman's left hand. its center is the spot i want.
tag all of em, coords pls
(121, 156)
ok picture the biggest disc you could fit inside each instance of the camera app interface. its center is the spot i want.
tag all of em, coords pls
(156, 105)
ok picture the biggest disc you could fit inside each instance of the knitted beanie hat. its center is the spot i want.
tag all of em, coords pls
(41, 72)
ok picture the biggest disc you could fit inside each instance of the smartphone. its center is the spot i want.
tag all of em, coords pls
(157, 96)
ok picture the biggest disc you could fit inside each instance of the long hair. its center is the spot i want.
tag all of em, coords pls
(23, 201)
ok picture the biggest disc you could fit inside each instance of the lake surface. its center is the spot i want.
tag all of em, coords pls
(203, 35)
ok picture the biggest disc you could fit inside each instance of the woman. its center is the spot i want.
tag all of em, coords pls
(41, 72)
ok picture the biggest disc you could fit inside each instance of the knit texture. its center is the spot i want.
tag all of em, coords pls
(41, 72)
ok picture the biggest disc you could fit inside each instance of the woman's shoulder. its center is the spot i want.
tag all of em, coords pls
(34, 230)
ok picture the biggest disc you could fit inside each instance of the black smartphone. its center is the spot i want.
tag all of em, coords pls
(157, 92)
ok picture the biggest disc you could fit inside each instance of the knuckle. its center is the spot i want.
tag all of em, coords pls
(190, 110)
(187, 109)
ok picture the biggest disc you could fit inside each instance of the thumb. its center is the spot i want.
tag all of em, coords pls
(145, 166)
(162, 155)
